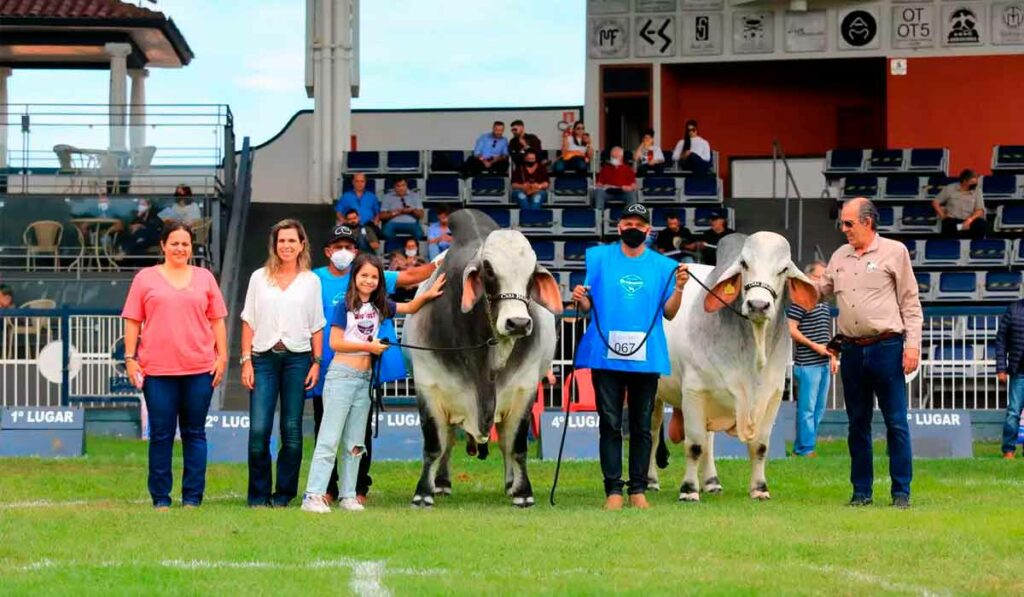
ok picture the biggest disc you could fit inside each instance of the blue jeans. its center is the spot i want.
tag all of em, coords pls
(812, 383)
(869, 371)
(393, 230)
(1011, 427)
(346, 408)
(533, 201)
(602, 197)
(276, 375)
(173, 401)
(576, 165)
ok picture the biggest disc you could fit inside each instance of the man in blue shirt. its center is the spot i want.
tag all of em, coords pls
(361, 200)
(341, 251)
(439, 236)
(490, 154)
(628, 286)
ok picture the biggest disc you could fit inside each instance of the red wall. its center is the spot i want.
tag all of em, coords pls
(742, 106)
(965, 103)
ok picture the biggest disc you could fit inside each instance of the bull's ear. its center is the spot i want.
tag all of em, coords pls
(472, 286)
(725, 291)
(801, 290)
(545, 291)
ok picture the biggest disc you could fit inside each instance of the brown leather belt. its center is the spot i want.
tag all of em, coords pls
(869, 340)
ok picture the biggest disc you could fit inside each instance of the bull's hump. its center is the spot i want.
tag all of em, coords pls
(469, 225)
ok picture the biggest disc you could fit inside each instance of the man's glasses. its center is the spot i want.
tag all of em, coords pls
(846, 224)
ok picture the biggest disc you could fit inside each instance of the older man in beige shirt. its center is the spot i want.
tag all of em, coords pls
(961, 208)
(880, 321)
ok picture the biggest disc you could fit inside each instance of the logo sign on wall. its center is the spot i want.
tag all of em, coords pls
(1008, 23)
(702, 33)
(703, 4)
(753, 32)
(655, 5)
(805, 31)
(607, 7)
(858, 28)
(913, 26)
(608, 37)
(962, 24)
(655, 36)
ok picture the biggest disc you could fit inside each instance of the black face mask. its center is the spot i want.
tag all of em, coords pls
(633, 237)
(972, 186)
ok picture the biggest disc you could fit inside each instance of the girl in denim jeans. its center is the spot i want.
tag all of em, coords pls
(354, 328)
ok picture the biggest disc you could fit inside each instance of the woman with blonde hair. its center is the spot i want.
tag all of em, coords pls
(282, 327)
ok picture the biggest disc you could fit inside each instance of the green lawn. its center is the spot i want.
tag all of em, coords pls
(85, 526)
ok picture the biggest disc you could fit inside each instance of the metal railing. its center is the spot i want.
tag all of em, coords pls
(777, 156)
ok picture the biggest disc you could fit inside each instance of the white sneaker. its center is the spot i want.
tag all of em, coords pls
(351, 504)
(315, 503)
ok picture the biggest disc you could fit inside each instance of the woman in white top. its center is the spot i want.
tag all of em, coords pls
(282, 327)
(693, 152)
(576, 151)
(648, 157)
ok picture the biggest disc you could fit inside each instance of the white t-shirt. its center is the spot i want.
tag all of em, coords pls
(574, 146)
(361, 325)
(656, 156)
(698, 145)
(291, 316)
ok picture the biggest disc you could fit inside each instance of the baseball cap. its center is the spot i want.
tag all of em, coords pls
(340, 232)
(637, 210)
(718, 214)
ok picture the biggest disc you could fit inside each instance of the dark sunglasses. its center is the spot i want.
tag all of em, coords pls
(846, 224)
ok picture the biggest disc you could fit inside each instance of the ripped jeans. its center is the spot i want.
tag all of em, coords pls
(346, 407)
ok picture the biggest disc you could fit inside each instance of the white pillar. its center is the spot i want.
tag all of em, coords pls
(137, 115)
(5, 72)
(314, 148)
(118, 93)
(340, 128)
(324, 87)
(656, 102)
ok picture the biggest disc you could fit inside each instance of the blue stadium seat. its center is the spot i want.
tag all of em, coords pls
(537, 221)
(659, 189)
(957, 286)
(941, 251)
(502, 216)
(982, 326)
(918, 218)
(924, 285)
(844, 160)
(659, 219)
(574, 252)
(936, 184)
(1001, 285)
(1008, 158)
(443, 187)
(988, 251)
(953, 360)
(860, 186)
(611, 219)
(577, 278)
(928, 160)
(580, 221)
(700, 188)
(488, 189)
(902, 187)
(413, 183)
(570, 190)
(545, 251)
(885, 160)
(999, 186)
(911, 249)
(887, 219)
(403, 161)
(346, 184)
(446, 160)
(362, 161)
(702, 217)
(1010, 217)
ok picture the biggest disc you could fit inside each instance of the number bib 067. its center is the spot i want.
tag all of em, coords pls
(624, 343)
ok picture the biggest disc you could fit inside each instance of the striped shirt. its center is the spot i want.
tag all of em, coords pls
(816, 324)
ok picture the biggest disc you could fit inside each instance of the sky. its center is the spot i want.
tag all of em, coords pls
(249, 54)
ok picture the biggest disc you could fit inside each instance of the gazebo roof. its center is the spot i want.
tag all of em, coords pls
(71, 34)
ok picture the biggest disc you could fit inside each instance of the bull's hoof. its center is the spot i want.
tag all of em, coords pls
(482, 451)
(689, 497)
(712, 485)
(653, 484)
(422, 501)
(761, 496)
(523, 502)
(444, 490)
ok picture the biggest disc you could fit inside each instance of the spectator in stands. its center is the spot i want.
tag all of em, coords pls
(366, 234)
(530, 182)
(577, 152)
(693, 152)
(648, 157)
(439, 236)
(341, 250)
(282, 338)
(813, 365)
(961, 208)
(401, 212)
(407, 258)
(490, 154)
(363, 201)
(674, 238)
(708, 243)
(1010, 370)
(520, 142)
(616, 181)
(143, 231)
(178, 362)
(6, 297)
(184, 209)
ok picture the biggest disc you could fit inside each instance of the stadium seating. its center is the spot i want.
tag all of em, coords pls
(578, 221)
(924, 285)
(885, 160)
(546, 252)
(659, 189)
(573, 252)
(1002, 285)
(443, 188)
(446, 161)
(404, 162)
(537, 221)
(363, 161)
(911, 249)
(935, 186)
(701, 188)
(918, 218)
(902, 188)
(1000, 186)
(928, 160)
(570, 190)
(504, 217)
(1008, 158)
(941, 251)
(887, 219)
(957, 286)
(860, 186)
(488, 190)
(989, 251)
(844, 161)
(1009, 218)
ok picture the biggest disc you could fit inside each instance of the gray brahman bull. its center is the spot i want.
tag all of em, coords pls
(495, 290)
(728, 372)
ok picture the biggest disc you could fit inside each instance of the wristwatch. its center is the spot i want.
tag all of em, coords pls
(317, 360)
(245, 357)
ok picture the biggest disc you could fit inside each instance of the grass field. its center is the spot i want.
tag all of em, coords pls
(85, 526)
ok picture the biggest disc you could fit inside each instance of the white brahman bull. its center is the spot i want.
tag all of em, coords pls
(728, 371)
